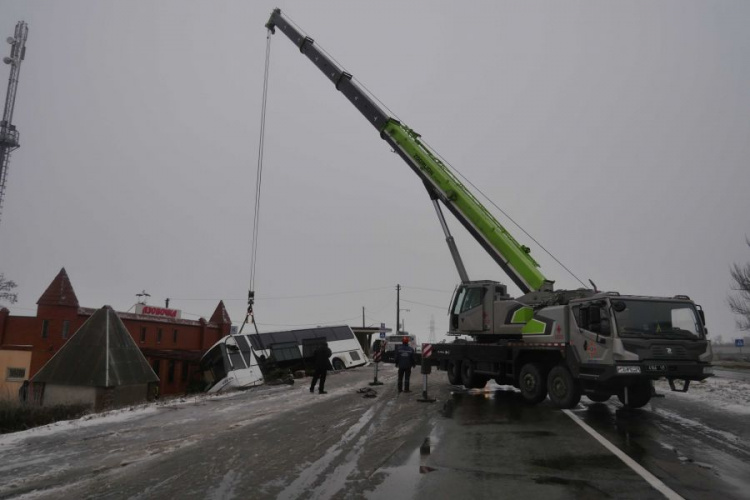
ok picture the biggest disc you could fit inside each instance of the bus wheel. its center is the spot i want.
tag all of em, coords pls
(454, 373)
(564, 391)
(638, 395)
(338, 364)
(532, 383)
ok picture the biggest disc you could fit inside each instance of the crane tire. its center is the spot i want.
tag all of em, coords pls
(532, 383)
(467, 374)
(599, 397)
(638, 396)
(454, 373)
(564, 391)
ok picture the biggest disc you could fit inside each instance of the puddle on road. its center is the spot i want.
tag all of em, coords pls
(402, 481)
(506, 406)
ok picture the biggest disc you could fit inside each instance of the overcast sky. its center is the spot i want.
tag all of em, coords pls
(615, 133)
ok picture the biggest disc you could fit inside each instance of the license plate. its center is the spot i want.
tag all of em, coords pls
(657, 368)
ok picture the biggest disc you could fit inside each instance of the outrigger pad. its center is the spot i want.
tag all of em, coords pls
(686, 384)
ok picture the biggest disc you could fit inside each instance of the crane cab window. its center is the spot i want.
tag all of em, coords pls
(474, 298)
(593, 317)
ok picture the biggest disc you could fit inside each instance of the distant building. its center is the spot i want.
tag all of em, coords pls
(172, 346)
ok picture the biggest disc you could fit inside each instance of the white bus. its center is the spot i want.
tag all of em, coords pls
(296, 347)
(231, 364)
(236, 361)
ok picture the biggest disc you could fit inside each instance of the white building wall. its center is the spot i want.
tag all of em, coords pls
(68, 394)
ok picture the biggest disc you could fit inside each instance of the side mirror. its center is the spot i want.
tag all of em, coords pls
(703, 316)
(619, 306)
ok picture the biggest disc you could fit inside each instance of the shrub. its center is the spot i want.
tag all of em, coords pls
(16, 417)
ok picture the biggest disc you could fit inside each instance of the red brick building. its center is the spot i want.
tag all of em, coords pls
(172, 346)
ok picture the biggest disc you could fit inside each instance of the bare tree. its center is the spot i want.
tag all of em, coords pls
(6, 290)
(739, 303)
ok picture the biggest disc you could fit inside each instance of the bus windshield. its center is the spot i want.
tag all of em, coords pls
(655, 319)
(212, 365)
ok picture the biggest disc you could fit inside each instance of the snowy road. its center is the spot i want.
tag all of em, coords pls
(283, 442)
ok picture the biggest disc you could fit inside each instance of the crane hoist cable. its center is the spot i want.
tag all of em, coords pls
(250, 316)
(454, 169)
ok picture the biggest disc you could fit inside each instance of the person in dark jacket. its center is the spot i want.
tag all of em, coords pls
(321, 360)
(405, 361)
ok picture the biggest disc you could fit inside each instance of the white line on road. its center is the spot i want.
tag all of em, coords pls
(650, 478)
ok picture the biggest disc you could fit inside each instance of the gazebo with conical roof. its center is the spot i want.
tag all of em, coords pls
(100, 366)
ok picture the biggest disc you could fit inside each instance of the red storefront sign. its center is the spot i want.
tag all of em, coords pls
(163, 312)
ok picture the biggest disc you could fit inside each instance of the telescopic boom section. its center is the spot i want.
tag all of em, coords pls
(512, 257)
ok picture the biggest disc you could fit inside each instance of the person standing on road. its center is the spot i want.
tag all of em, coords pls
(405, 361)
(322, 363)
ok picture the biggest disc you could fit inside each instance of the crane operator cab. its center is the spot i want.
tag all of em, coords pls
(476, 306)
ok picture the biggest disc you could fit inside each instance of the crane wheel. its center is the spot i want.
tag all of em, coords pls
(454, 373)
(532, 383)
(638, 396)
(564, 391)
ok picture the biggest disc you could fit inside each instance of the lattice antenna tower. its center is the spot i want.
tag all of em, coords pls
(432, 329)
(8, 132)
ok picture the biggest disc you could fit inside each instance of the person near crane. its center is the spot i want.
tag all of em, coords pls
(405, 361)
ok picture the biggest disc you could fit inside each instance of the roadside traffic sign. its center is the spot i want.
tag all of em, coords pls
(739, 342)
(426, 350)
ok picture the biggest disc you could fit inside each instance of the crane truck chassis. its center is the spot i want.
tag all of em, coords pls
(546, 342)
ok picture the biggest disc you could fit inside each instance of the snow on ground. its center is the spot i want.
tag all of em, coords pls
(280, 397)
(112, 416)
(720, 393)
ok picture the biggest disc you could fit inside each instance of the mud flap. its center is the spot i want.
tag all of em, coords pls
(686, 384)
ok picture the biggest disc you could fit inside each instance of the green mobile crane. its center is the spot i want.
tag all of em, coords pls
(556, 343)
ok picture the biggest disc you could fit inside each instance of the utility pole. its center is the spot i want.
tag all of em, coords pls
(8, 132)
(363, 316)
(398, 308)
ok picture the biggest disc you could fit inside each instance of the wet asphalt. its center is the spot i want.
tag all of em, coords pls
(283, 442)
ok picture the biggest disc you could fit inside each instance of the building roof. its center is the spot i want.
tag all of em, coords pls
(99, 354)
(220, 315)
(88, 311)
(59, 292)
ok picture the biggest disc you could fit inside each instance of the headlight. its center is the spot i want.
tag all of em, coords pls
(708, 370)
(624, 370)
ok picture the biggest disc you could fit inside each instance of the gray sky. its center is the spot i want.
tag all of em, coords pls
(615, 133)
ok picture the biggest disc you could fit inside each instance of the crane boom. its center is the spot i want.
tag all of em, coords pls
(440, 182)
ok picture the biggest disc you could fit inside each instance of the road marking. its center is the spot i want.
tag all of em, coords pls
(638, 469)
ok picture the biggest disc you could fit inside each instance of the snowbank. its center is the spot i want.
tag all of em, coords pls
(726, 394)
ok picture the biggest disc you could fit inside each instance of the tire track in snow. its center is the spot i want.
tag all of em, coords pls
(331, 482)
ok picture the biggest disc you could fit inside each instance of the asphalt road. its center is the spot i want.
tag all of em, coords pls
(732, 374)
(283, 442)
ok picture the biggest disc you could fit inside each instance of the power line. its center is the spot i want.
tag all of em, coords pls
(426, 289)
(423, 304)
(288, 297)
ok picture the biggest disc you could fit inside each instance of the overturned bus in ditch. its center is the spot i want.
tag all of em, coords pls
(240, 361)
